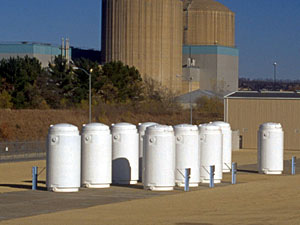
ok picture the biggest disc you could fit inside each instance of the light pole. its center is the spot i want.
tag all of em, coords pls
(190, 92)
(90, 89)
(190, 79)
(275, 67)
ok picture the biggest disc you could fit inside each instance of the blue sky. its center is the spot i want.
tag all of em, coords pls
(266, 30)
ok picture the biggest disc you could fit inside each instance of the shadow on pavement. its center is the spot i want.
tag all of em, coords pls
(22, 186)
(194, 224)
(39, 181)
(247, 171)
(134, 186)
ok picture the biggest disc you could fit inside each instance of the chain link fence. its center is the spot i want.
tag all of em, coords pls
(20, 151)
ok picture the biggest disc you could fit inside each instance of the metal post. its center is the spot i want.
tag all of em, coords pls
(187, 173)
(90, 98)
(274, 84)
(212, 175)
(34, 177)
(234, 171)
(293, 165)
(190, 92)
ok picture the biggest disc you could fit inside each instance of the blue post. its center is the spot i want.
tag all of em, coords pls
(212, 175)
(233, 171)
(34, 177)
(293, 165)
(187, 173)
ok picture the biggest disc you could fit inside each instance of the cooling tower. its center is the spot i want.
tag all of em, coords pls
(208, 22)
(146, 34)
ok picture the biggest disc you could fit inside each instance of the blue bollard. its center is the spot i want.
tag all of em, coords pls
(34, 177)
(212, 175)
(293, 165)
(187, 173)
(233, 172)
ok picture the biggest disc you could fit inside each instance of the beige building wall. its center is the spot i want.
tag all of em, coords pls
(146, 34)
(246, 115)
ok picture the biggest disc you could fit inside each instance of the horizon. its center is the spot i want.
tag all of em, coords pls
(266, 31)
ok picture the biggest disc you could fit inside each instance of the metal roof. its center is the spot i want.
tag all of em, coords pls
(265, 94)
(206, 5)
(195, 95)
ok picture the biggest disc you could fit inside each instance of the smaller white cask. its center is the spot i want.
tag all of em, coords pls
(142, 129)
(125, 153)
(63, 158)
(270, 148)
(96, 156)
(210, 152)
(226, 145)
(187, 154)
(159, 158)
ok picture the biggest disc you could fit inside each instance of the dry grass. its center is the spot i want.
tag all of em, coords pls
(27, 125)
(33, 124)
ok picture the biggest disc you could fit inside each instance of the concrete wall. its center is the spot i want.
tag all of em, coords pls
(227, 73)
(246, 115)
(218, 67)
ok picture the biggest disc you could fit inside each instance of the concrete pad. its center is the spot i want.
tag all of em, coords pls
(256, 199)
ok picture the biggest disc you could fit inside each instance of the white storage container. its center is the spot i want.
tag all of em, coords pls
(159, 158)
(142, 129)
(96, 156)
(270, 148)
(63, 158)
(125, 153)
(227, 145)
(187, 154)
(210, 152)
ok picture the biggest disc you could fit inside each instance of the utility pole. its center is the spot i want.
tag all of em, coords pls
(190, 64)
(275, 68)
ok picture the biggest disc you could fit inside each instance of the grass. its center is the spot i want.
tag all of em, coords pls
(33, 124)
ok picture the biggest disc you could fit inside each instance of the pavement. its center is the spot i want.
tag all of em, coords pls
(21, 201)
(30, 203)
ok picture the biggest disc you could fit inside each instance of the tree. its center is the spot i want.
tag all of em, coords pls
(63, 86)
(5, 100)
(82, 79)
(212, 106)
(62, 75)
(18, 77)
(119, 83)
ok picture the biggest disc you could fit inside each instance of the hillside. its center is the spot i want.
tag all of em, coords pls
(26, 125)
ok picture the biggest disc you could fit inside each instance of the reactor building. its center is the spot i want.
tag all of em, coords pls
(184, 45)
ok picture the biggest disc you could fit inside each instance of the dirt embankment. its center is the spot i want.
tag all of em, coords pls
(28, 125)
(25, 125)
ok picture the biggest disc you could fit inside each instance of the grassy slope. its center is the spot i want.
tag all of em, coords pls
(33, 124)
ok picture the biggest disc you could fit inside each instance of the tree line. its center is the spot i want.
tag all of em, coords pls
(268, 84)
(25, 84)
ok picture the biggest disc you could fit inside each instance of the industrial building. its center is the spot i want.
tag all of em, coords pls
(184, 45)
(45, 53)
(246, 111)
(209, 41)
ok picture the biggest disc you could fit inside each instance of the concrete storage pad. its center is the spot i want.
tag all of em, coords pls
(256, 199)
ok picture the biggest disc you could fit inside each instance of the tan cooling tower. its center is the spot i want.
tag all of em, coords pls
(146, 34)
(208, 22)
